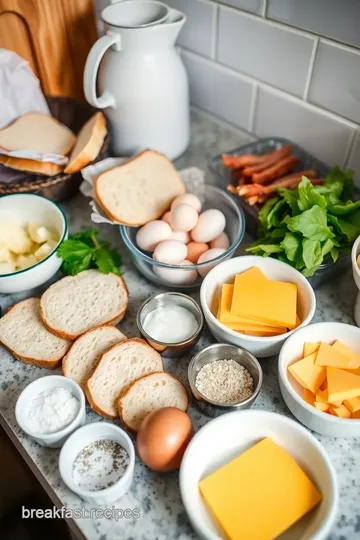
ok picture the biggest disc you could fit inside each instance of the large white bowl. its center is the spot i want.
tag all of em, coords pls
(224, 438)
(225, 272)
(27, 208)
(323, 423)
(355, 252)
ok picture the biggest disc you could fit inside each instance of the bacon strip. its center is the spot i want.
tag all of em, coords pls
(275, 156)
(235, 162)
(278, 169)
(289, 182)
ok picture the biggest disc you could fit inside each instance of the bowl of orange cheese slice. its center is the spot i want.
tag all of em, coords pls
(319, 376)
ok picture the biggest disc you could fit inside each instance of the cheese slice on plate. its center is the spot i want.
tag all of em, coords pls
(344, 349)
(342, 384)
(307, 373)
(353, 404)
(328, 356)
(341, 412)
(322, 396)
(323, 407)
(310, 348)
(309, 397)
(259, 494)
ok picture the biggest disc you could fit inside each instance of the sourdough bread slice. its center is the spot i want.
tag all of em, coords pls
(88, 145)
(31, 165)
(79, 363)
(148, 394)
(23, 333)
(37, 131)
(140, 190)
(75, 304)
(118, 367)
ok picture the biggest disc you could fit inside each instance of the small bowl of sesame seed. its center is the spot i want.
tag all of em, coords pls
(224, 378)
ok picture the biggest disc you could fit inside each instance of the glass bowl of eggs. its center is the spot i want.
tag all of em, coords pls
(196, 233)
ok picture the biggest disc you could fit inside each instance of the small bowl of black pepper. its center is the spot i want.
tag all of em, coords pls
(224, 378)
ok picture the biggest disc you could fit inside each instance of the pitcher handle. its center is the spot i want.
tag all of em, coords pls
(91, 70)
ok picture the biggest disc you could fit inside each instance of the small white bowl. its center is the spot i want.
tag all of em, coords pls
(56, 439)
(355, 252)
(82, 438)
(31, 208)
(225, 272)
(226, 437)
(318, 421)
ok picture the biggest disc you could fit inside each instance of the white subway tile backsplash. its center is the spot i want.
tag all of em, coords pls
(265, 51)
(218, 91)
(336, 19)
(354, 159)
(254, 6)
(322, 134)
(198, 33)
(335, 84)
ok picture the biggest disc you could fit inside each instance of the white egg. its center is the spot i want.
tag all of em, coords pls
(176, 276)
(170, 252)
(187, 198)
(210, 225)
(209, 256)
(166, 217)
(221, 241)
(183, 217)
(151, 234)
(183, 236)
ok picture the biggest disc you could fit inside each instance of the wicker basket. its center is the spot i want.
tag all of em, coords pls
(61, 187)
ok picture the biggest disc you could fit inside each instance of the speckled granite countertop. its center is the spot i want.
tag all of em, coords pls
(162, 516)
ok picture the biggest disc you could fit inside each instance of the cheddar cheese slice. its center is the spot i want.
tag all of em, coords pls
(354, 371)
(307, 373)
(261, 333)
(344, 349)
(328, 356)
(308, 397)
(341, 412)
(322, 396)
(310, 348)
(342, 384)
(353, 404)
(323, 407)
(267, 487)
(273, 302)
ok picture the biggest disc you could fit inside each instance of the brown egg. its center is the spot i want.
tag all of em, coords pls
(163, 438)
(194, 250)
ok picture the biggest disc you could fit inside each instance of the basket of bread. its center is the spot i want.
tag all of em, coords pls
(44, 153)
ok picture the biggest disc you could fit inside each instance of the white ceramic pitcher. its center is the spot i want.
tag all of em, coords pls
(140, 77)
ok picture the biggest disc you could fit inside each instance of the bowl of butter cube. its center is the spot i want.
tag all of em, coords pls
(31, 229)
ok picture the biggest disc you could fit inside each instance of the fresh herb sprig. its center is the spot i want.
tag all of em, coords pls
(84, 250)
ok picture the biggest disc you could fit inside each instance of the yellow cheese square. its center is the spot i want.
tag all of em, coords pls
(259, 494)
(323, 407)
(310, 348)
(341, 412)
(273, 302)
(342, 384)
(322, 396)
(344, 349)
(353, 404)
(308, 397)
(307, 373)
(328, 356)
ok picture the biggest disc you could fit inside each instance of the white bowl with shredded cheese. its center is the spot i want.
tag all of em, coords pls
(50, 409)
(97, 463)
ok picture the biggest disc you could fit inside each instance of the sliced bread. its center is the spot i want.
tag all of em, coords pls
(31, 165)
(23, 333)
(37, 131)
(140, 190)
(79, 363)
(118, 367)
(148, 394)
(88, 144)
(75, 304)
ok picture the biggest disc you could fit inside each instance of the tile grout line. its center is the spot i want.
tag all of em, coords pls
(311, 69)
(264, 9)
(350, 148)
(253, 103)
(215, 32)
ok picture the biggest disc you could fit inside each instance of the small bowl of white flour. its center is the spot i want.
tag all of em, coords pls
(50, 409)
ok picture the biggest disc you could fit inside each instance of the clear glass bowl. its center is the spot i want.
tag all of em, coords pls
(178, 277)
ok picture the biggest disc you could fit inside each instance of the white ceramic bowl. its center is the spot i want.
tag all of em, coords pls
(224, 438)
(57, 439)
(27, 208)
(82, 438)
(355, 252)
(323, 423)
(225, 272)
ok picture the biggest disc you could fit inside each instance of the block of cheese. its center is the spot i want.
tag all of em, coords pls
(262, 490)
(323, 407)
(273, 302)
(353, 404)
(328, 356)
(307, 373)
(341, 412)
(261, 333)
(344, 349)
(342, 384)
(322, 396)
(308, 397)
(310, 348)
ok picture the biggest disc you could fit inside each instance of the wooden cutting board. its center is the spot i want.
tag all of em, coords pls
(54, 36)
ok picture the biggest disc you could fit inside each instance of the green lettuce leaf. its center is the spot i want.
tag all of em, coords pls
(312, 253)
(292, 246)
(308, 196)
(311, 224)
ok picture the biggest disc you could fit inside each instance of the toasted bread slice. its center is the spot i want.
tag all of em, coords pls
(140, 190)
(118, 367)
(75, 304)
(148, 394)
(80, 361)
(88, 144)
(23, 333)
(31, 165)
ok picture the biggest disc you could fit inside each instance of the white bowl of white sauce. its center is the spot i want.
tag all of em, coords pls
(50, 409)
